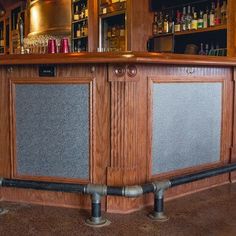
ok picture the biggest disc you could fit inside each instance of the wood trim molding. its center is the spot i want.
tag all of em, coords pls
(233, 149)
(92, 120)
(124, 138)
(225, 124)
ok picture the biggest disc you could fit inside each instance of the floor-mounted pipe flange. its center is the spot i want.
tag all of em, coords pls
(97, 222)
(158, 216)
(3, 211)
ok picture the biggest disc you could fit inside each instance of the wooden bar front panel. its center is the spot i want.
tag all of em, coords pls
(121, 128)
(129, 165)
(99, 129)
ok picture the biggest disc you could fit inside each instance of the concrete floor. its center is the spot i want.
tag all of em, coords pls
(210, 212)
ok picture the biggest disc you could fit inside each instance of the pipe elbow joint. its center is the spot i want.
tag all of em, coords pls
(133, 191)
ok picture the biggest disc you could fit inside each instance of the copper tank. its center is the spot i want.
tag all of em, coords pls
(49, 17)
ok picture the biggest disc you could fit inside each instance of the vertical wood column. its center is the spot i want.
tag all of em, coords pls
(233, 150)
(231, 32)
(126, 139)
(4, 124)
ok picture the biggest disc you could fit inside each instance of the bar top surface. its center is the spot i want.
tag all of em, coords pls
(117, 57)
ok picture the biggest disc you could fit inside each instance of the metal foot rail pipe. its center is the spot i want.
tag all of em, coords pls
(98, 191)
(202, 175)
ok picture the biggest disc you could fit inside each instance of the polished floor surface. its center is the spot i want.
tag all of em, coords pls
(210, 212)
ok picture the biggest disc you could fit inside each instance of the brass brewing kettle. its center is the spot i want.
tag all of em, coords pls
(49, 17)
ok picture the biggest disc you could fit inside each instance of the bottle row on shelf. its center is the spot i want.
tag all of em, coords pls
(80, 12)
(82, 30)
(2, 42)
(190, 18)
(115, 38)
(108, 6)
(116, 31)
(80, 45)
(206, 50)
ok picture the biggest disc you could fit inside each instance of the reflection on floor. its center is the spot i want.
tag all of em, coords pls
(211, 212)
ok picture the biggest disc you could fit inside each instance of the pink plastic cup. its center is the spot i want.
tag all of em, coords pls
(52, 46)
(64, 47)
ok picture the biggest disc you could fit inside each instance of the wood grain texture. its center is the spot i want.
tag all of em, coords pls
(121, 177)
(124, 142)
(101, 125)
(174, 74)
(92, 118)
(117, 57)
(121, 140)
(231, 32)
(93, 26)
(233, 150)
(226, 123)
(139, 27)
(4, 125)
(128, 136)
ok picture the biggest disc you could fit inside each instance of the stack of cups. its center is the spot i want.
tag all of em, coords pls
(52, 46)
(64, 46)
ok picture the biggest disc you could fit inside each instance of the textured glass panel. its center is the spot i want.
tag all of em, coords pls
(52, 130)
(186, 125)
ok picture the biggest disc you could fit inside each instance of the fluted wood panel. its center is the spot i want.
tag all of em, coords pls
(128, 134)
(124, 125)
(124, 143)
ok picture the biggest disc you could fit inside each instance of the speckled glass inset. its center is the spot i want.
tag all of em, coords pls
(186, 125)
(52, 130)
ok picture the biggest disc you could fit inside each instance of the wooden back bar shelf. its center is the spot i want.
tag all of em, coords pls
(215, 34)
(123, 102)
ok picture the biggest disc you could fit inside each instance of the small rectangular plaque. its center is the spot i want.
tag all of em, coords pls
(47, 71)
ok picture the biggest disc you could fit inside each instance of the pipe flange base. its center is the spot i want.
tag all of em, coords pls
(101, 223)
(158, 216)
(3, 211)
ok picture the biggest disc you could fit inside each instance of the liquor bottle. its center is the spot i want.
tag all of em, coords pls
(172, 22)
(212, 15)
(82, 30)
(78, 32)
(178, 22)
(109, 33)
(194, 24)
(154, 24)
(86, 11)
(85, 25)
(183, 20)
(200, 23)
(218, 14)
(166, 24)
(76, 14)
(189, 18)
(122, 31)
(160, 24)
(205, 19)
(82, 13)
(113, 31)
(207, 49)
(202, 52)
(224, 13)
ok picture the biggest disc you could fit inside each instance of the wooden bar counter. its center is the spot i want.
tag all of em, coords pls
(115, 119)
